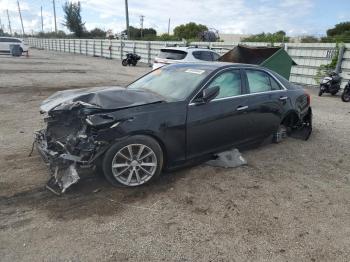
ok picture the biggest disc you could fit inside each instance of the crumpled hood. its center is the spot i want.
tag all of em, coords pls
(108, 98)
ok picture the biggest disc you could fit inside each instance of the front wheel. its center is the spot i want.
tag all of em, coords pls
(125, 62)
(320, 92)
(133, 161)
(345, 97)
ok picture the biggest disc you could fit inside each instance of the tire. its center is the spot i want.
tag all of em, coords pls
(21, 50)
(133, 169)
(280, 134)
(125, 62)
(345, 97)
(320, 93)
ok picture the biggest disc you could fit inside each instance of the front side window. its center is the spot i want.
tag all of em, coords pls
(260, 81)
(173, 83)
(229, 83)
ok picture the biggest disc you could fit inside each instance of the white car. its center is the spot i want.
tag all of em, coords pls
(5, 43)
(171, 55)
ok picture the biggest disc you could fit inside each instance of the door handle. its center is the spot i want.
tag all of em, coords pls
(240, 108)
(283, 98)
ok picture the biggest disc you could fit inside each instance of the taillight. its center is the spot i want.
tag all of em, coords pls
(308, 97)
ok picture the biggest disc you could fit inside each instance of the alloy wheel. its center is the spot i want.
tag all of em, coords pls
(134, 164)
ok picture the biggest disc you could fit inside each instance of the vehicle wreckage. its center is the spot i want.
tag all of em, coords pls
(134, 133)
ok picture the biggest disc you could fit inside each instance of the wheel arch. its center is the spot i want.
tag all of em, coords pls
(291, 118)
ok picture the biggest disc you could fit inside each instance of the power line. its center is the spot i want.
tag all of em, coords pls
(20, 16)
(42, 21)
(54, 13)
(141, 24)
(127, 18)
(8, 18)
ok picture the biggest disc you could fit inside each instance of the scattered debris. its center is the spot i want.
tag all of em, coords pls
(228, 159)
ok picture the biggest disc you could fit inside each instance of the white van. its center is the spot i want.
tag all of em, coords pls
(5, 43)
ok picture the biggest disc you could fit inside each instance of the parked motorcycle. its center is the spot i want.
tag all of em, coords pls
(131, 59)
(346, 93)
(330, 84)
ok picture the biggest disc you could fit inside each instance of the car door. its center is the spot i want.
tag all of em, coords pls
(3, 44)
(267, 101)
(220, 123)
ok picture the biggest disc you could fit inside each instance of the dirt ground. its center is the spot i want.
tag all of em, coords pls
(290, 203)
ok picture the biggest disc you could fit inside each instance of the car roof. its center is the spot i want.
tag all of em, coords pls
(186, 48)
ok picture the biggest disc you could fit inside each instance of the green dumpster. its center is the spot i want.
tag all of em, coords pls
(274, 58)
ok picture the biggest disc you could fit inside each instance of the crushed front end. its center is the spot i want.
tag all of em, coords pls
(68, 144)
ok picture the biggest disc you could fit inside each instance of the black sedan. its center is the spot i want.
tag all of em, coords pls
(166, 119)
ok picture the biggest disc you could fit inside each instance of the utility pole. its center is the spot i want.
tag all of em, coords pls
(8, 18)
(127, 18)
(141, 24)
(42, 21)
(1, 25)
(169, 26)
(20, 16)
(54, 14)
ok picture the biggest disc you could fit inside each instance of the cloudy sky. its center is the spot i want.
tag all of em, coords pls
(296, 17)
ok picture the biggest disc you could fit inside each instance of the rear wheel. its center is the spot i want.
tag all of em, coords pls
(280, 134)
(133, 161)
(346, 95)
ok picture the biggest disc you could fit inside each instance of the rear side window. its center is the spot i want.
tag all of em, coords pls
(203, 55)
(9, 40)
(260, 81)
(172, 54)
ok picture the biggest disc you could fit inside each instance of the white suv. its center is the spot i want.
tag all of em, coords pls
(5, 43)
(171, 55)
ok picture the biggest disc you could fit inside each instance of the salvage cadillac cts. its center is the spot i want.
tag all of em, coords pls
(165, 119)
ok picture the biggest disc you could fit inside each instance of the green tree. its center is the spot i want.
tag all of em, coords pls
(189, 31)
(279, 36)
(309, 39)
(97, 33)
(2, 33)
(147, 33)
(73, 19)
(339, 33)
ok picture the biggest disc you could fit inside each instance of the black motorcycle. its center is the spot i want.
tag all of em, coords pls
(131, 59)
(346, 93)
(330, 84)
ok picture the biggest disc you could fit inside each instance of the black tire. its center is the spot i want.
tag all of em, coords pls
(345, 97)
(125, 62)
(21, 50)
(320, 93)
(115, 148)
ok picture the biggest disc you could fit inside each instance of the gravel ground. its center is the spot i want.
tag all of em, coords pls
(290, 203)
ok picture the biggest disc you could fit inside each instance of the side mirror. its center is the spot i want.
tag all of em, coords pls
(210, 93)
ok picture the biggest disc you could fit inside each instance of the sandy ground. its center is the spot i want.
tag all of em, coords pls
(290, 203)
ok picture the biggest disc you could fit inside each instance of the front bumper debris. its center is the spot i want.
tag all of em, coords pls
(63, 166)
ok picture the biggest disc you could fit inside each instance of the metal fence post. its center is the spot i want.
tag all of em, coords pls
(340, 59)
(69, 46)
(80, 45)
(134, 48)
(121, 49)
(101, 49)
(93, 52)
(149, 53)
(64, 45)
(86, 47)
(74, 46)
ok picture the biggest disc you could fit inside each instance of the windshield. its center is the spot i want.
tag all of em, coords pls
(173, 83)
